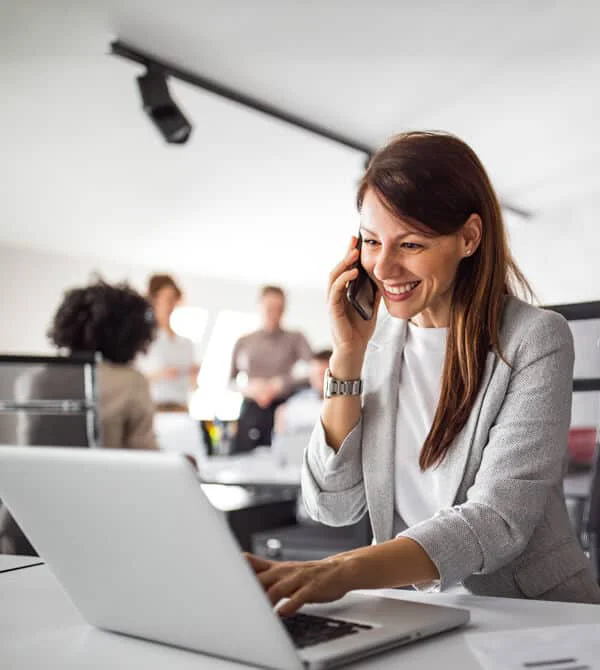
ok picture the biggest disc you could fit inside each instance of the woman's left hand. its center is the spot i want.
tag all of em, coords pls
(302, 581)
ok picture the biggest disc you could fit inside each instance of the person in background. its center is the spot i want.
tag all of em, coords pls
(116, 322)
(262, 369)
(445, 418)
(169, 363)
(302, 410)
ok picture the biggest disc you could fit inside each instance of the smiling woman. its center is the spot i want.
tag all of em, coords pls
(457, 446)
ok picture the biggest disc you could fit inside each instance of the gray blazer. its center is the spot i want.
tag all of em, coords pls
(503, 528)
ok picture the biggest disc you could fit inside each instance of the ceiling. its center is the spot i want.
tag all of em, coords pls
(252, 198)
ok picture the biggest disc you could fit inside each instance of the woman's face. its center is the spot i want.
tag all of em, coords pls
(164, 303)
(414, 272)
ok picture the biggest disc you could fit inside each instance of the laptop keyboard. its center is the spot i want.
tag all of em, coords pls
(307, 630)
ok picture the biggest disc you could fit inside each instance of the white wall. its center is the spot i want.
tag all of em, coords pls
(32, 284)
(559, 252)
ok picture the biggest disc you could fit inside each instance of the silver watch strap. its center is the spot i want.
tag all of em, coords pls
(341, 387)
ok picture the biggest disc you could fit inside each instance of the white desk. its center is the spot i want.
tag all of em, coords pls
(261, 467)
(258, 467)
(40, 629)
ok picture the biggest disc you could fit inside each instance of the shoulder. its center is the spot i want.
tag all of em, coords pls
(296, 335)
(537, 329)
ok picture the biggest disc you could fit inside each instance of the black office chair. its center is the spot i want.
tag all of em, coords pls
(590, 537)
(308, 540)
(44, 401)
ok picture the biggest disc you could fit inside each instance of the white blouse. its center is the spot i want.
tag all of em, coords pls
(416, 493)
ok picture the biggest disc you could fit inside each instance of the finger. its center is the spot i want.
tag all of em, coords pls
(301, 597)
(256, 563)
(285, 587)
(338, 288)
(269, 577)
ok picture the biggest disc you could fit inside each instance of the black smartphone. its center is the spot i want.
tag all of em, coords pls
(361, 291)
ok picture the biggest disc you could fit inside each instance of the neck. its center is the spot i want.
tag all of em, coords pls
(433, 317)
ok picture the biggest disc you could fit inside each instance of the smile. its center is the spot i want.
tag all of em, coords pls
(400, 291)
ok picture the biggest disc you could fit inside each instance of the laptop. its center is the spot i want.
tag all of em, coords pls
(140, 550)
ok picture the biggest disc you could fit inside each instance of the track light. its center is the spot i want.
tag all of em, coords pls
(161, 108)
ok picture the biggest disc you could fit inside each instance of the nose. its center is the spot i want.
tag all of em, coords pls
(386, 264)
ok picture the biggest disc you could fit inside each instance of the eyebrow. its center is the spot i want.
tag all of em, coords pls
(400, 237)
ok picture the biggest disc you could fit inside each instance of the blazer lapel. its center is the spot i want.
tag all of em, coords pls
(382, 377)
(452, 468)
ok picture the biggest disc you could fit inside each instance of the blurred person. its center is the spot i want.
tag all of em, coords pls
(169, 363)
(302, 410)
(116, 322)
(262, 368)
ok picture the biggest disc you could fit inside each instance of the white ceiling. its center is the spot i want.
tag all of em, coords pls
(253, 198)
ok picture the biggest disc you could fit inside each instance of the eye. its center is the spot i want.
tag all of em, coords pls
(369, 242)
(411, 246)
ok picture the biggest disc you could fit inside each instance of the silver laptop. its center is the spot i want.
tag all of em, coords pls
(136, 544)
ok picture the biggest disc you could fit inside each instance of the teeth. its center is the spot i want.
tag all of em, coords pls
(399, 290)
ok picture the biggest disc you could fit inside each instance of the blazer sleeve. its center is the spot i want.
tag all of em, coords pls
(332, 482)
(522, 461)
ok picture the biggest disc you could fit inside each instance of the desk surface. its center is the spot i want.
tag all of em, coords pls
(258, 467)
(40, 628)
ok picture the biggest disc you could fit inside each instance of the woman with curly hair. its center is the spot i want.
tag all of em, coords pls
(116, 322)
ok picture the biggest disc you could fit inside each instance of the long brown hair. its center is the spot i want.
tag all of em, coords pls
(435, 182)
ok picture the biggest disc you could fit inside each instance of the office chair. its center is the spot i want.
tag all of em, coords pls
(44, 401)
(591, 518)
(308, 540)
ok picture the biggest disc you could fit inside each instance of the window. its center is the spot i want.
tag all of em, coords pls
(213, 398)
(190, 322)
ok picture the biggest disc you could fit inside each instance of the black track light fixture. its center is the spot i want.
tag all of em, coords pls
(161, 108)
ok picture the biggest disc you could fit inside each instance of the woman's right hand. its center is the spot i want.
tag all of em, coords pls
(349, 331)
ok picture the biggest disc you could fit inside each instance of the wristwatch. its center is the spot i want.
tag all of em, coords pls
(333, 387)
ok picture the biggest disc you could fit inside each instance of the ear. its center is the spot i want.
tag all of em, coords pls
(470, 234)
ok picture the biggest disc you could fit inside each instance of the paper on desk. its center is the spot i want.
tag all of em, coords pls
(549, 648)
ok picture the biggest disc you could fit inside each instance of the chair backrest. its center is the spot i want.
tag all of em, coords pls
(48, 401)
(591, 520)
(45, 401)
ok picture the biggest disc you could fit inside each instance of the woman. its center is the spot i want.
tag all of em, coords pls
(457, 449)
(116, 322)
(169, 363)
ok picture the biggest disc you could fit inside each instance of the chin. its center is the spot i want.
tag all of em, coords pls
(400, 311)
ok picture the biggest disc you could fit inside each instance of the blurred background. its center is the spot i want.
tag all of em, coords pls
(89, 185)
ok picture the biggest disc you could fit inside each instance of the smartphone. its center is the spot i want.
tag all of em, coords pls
(361, 291)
